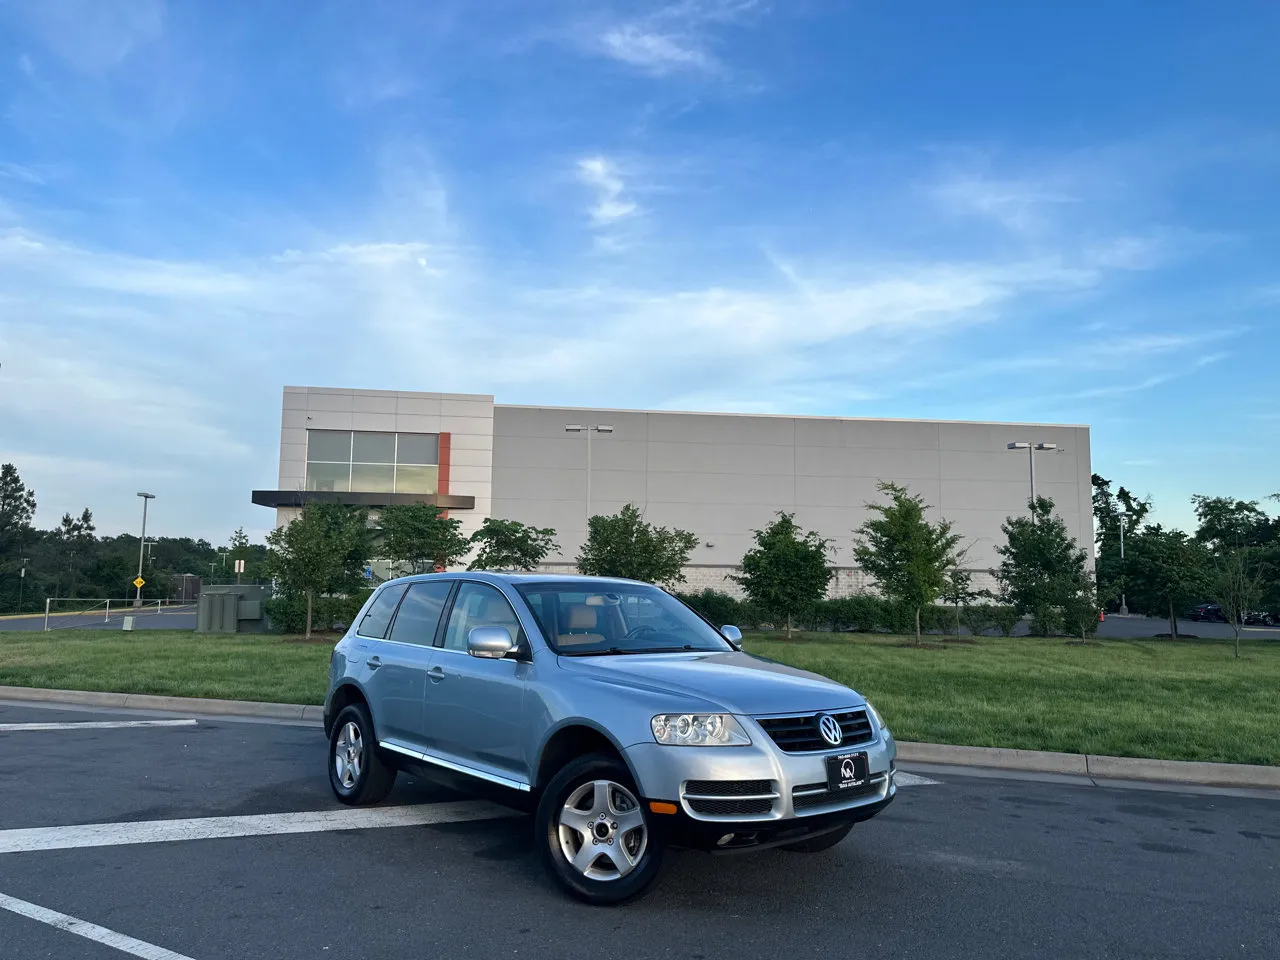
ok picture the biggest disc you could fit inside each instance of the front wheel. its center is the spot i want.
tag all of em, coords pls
(823, 841)
(357, 773)
(593, 832)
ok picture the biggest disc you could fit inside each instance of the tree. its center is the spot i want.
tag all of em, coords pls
(323, 551)
(1041, 568)
(1227, 524)
(1110, 511)
(908, 557)
(788, 571)
(75, 535)
(624, 545)
(17, 508)
(1236, 587)
(958, 590)
(1168, 572)
(420, 537)
(1082, 600)
(511, 545)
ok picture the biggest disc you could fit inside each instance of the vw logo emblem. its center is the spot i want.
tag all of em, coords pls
(829, 727)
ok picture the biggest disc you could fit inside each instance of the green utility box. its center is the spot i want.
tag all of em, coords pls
(231, 608)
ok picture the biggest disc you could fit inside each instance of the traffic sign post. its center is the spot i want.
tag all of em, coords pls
(139, 583)
(239, 569)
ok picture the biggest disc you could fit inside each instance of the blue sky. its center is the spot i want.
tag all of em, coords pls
(968, 211)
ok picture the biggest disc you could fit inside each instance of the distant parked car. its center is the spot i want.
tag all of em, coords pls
(1210, 612)
(1257, 618)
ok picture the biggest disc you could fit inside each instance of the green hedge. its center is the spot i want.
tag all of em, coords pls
(862, 613)
(288, 613)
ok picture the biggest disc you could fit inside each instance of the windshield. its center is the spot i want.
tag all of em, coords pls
(617, 619)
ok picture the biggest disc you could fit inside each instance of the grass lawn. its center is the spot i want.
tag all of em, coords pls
(1186, 700)
(177, 663)
(1138, 698)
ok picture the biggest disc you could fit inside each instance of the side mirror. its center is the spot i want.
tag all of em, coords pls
(492, 643)
(733, 635)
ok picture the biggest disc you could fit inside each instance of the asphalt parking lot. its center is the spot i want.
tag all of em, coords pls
(177, 617)
(964, 866)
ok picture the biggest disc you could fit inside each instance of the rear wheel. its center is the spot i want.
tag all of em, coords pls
(823, 841)
(593, 833)
(357, 773)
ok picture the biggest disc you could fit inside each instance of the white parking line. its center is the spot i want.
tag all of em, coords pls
(912, 780)
(90, 931)
(93, 725)
(207, 828)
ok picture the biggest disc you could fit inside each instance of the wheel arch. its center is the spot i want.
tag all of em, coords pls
(343, 696)
(574, 738)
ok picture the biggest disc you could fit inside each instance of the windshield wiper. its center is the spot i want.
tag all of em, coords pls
(611, 651)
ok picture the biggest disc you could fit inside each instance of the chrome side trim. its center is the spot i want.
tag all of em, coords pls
(455, 767)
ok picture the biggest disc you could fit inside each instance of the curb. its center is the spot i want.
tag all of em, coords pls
(146, 701)
(1029, 761)
(1095, 767)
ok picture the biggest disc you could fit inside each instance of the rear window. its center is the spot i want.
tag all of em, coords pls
(374, 622)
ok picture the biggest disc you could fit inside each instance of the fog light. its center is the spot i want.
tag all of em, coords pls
(726, 839)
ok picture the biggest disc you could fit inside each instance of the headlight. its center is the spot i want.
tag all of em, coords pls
(698, 730)
(875, 715)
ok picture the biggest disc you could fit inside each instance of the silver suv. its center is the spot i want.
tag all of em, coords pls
(631, 723)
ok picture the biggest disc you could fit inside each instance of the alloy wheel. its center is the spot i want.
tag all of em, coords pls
(348, 755)
(601, 830)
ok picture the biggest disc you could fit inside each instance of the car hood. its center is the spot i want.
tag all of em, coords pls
(733, 681)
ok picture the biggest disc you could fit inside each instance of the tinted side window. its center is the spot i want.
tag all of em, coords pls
(478, 605)
(419, 614)
(374, 622)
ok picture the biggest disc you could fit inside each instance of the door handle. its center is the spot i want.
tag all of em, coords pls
(436, 674)
(374, 662)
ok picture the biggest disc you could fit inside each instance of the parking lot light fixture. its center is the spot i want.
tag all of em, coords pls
(1031, 446)
(142, 543)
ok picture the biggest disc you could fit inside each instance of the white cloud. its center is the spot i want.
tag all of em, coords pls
(94, 36)
(656, 53)
(602, 176)
(673, 38)
(1019, 205)
(21, 173)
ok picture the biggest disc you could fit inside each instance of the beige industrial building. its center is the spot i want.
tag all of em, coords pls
(720, 476)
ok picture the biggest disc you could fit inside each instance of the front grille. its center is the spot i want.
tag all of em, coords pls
(730, 808)
(728, 788)
(816, 794)
(799, 734)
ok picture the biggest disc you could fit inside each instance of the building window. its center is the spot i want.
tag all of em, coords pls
(363, 461)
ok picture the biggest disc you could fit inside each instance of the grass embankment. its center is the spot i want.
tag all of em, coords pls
(177, 663)
(1139, 698)
(1186, 700)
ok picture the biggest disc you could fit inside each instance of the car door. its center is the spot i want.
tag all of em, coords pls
(397, 666)
(475, 705)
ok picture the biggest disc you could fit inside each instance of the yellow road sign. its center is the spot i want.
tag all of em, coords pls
(139, 583)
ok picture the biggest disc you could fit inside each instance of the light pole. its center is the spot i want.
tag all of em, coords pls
(22, 582)
(588, 429)
(142, 543)
(1124, 607)
(1031, 447)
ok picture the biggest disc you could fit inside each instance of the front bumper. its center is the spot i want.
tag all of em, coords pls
(682, 830)
(765, 793)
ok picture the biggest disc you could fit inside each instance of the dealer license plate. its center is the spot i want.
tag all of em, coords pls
(847, 770)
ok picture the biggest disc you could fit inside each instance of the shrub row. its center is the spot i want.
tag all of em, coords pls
(287, 613)
(862, 613)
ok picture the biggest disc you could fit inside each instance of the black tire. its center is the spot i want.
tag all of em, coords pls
(371, 781)
(547, 835)
(823, 841)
